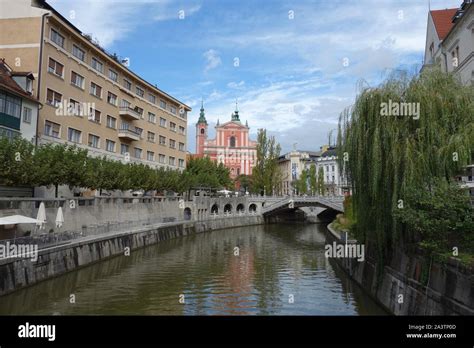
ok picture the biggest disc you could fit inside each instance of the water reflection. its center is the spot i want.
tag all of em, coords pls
(274, 264)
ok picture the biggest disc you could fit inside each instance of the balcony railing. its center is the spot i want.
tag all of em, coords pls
(127, 111)
(128, 134)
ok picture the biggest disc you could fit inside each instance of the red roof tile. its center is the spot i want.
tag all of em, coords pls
(443, 21)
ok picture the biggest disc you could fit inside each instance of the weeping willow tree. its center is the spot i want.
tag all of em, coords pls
(389, 154)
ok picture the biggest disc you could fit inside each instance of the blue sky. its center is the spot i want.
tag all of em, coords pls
(293, 66)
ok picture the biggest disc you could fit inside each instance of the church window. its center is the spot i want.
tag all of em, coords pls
(202, 130)
(232, 141)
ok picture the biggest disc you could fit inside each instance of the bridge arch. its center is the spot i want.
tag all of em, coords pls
(215, 209)
(252, 208)
(240, 208)
(228, 208)
(187, 213)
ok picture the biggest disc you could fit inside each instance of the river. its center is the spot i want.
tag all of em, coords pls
(277, 269)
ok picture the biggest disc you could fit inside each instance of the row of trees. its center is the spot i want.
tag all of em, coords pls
(24, 165)
(396, 161)
(310, 181)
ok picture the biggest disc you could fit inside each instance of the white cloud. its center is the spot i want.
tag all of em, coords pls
(236, 85)
(213, 60)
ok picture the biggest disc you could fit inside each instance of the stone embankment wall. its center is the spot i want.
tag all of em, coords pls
(426, 288)
(16, 273)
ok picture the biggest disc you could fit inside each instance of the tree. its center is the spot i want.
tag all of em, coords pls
(390, 156)
(266, 175)
(441, 215)
(16, 162)
(301, 184)
(320, 181)
(313, 184)
(244, 182)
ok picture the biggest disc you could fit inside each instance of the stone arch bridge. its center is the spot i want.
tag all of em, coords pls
(204, 208)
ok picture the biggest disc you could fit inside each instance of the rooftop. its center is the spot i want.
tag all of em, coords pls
(443, 21)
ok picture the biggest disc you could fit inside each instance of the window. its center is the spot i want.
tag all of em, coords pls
(151, 98)
(97, 65)
(78, 53)
(125, 103)
(127, 84)
(138, 152)
(94, 141)
(162, 122)
(181, 130)
(53, 98)
(232, 141)
(163, 104)
(27, 114)
(333, 178)
(202, 130)
(181, 146)
(55, 67)
(150, 155)
(455, 57)
(110, 145)
(140, 92)
(73, 135)
(162, 140)
(123, 149)
(151, 117)
(113, 75)
(111, 122)
(57, 38)
(77, 80)
(139, 131)
(52, 129)
(111, 98)
(432, 49)
(94, 115)
(10, 104)
(171, 161)
(162, 158)
(172, 144)
(75, 108)
(96, 90)
(332, 168)
(173, 110)
(151, 137)
(181, 163)
(139, 110)
(173, 126)
(29, 85)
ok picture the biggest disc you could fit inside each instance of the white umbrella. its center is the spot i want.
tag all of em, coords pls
(17, 219)
(41, 217)
(59, 218)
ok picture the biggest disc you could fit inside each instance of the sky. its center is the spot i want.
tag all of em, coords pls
(292, 66)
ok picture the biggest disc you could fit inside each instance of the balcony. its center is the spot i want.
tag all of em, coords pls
(130, 113)
(128, 134)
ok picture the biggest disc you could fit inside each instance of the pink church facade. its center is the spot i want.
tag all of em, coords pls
(232, 145)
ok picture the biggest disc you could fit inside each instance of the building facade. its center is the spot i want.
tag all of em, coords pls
(232, 145)
(291, 166)
(450, 41)
(18, 107)
(91, 98)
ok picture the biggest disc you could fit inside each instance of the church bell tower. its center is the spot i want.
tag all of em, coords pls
(201, 132)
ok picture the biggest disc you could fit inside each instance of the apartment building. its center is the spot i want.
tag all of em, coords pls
(18, 107)
(450, 41)
(90, 97)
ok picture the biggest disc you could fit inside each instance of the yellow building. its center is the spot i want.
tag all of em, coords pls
(90, 98)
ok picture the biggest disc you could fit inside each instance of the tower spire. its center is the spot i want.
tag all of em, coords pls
(235, 115)
(202, 115)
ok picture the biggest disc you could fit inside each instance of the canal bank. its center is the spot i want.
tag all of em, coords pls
(277, 269)
(17, 273)
(411, 285)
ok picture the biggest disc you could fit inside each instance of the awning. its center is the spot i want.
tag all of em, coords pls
(17, 219)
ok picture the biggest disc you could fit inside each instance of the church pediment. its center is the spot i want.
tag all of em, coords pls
(232, 125)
